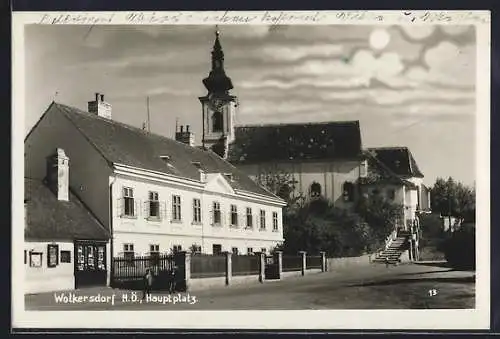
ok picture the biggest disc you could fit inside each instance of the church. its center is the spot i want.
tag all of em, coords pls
(325, 159)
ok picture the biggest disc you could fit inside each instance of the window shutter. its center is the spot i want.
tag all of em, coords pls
(211, 217)
(256, 220)
(137, 205)
(146, 209)
(163, 210)
(119, 207)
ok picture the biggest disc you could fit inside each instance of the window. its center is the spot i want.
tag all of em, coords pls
(262, 219)
(217, 122)
(176, 208)
(263, 250)
(195, 249)
(128, 252)
(216, 249)
(52, 255)
(275, 221)
(249, 250)
(65, 256)
(249, 218)
(391, 194)
(363, 169)
(315, 190)
(234, 250)
(177, 249)
(234, 215)
(216, 215)
(25, 257)
(348, 191)
(154, 254)
(196, 211)
(36, 259)
(154, 205)
(128, 202)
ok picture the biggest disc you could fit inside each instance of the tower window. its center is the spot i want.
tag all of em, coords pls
(315, 190)
(217, 122)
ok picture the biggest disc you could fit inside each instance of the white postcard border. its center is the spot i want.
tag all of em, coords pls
(478, 318)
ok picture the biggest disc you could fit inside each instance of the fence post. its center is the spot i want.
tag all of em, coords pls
(183, 262)
(323, 261)
(262, 266)
(229, 267)
(304, 262)
(278, 257)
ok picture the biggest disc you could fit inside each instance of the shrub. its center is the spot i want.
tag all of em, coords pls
(460, 248)
(318, 226)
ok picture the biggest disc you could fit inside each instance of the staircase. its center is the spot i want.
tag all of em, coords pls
(394, 249)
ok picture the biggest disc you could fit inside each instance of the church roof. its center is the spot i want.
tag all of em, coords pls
(399, 160)
(292, 142)
(379, 173)
(51, 219)
(127, 145)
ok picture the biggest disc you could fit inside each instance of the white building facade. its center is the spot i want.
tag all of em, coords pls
(160, 213)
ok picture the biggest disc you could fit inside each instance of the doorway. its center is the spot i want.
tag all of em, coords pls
(90, 263)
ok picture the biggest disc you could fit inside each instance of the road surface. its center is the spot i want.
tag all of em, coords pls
(408, 286)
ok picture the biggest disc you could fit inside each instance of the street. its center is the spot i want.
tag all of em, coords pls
(412, 286)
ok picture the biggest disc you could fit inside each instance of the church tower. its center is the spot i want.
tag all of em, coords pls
(218, 105)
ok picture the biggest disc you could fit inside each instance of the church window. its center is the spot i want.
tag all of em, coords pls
(315, 190)
(217, 122)
(348, 191)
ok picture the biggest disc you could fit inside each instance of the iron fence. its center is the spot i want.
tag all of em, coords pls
(291, 263)
(245, 264)
(208, 266)
(313, 262)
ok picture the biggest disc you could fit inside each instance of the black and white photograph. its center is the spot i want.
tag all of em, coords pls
(250, 162)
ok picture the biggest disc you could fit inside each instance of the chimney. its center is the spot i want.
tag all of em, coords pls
(58, 174)
(100, 107)
(186, 136)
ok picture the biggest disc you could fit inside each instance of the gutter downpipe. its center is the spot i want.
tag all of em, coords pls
(111, 243)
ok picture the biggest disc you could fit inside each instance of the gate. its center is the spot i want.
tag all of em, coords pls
(271, 270)
(129, 272)
(90, 263)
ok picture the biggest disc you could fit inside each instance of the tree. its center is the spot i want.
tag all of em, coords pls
(381, 214)
(453, 199)
(280, 183)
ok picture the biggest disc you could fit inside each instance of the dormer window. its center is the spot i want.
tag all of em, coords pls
(228, 176)
(165, 158)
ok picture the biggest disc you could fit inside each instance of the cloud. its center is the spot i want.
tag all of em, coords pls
(292, 53)
(244, 31)
(455, 30)
(448, 64)
(418, 32)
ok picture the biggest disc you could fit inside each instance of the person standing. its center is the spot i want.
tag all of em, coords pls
(148, 282)
(173, 278)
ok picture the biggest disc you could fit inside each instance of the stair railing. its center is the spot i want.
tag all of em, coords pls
(388, 241)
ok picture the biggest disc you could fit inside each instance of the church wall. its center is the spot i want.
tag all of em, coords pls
(330, 175)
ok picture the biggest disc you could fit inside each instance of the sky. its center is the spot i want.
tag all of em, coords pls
(410, 86)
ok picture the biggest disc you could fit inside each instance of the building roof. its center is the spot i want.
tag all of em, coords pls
(399, 160)
(289, 142)
(380, 173)
(123, 144)
(51, 219)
